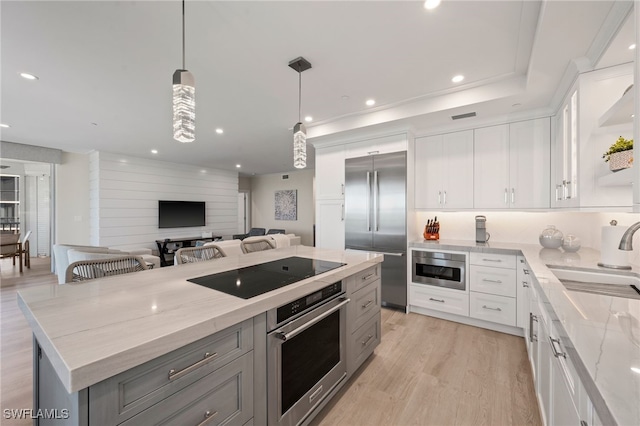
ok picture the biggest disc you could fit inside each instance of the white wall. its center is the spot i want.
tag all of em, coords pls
(263, 190)
(72, 199)
(124, 194)
(525, 227)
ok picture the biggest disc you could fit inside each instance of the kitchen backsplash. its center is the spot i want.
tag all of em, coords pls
(525, 227)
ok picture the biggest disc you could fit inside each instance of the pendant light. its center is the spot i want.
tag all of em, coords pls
(299, 130)
(184, 100)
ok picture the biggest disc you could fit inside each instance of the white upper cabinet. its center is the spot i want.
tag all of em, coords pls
(444, 171)
(511, 165)
(529, 163)
(330, 172)
(491, 167)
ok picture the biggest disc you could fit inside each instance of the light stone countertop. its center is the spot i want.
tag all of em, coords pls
(94, 330)
(601, 333)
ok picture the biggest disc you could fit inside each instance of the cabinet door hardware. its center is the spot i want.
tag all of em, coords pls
(506, 194)
(557, 353)
(513, 196)
(439, 197)
(366, 342)
(491, 260)
(208, 357)
(525, 284)
(208, 416)
(366, 305)
(366, 277)
(492, 281)
(445, 198)
(436, 300)
(532, 336)
(491, 309)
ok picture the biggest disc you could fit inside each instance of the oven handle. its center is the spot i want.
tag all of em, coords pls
(286, 336)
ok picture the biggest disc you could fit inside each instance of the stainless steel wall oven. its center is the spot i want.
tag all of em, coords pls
(439, 269)
(306, 359)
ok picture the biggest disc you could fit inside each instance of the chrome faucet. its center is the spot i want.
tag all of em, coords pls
(626, 242)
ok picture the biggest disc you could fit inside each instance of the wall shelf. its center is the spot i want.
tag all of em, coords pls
(621, 178)
(620, 113)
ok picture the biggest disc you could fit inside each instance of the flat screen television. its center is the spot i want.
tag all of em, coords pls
(181, 214)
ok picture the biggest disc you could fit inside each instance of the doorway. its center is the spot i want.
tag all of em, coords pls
(244, 212)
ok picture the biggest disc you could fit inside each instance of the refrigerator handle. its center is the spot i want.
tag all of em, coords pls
(376, 196)
(368, 201)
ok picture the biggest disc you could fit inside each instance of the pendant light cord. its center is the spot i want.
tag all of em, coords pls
(183, 67)
(299, 93)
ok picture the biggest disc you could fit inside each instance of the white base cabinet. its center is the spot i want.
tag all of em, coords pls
(330, 224)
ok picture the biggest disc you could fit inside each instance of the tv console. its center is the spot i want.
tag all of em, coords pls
(168, 246)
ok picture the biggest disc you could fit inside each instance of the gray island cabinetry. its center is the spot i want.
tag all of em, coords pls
(158, 349)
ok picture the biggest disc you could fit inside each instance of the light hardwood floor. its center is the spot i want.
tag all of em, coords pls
(426, 371)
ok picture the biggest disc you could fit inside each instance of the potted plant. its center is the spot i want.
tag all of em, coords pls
(620, 154)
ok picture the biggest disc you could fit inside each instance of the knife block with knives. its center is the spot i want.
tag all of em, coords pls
(432, 230)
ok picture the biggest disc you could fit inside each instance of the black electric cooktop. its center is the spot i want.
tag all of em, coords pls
(258, 279)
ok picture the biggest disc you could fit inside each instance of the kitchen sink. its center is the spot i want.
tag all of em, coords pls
(621, 284)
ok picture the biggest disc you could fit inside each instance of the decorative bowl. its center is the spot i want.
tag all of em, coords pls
(571, 244)
(551, 238)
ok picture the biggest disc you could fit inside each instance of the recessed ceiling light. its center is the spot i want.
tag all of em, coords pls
(28, 76)
(4, 125)
(154, 151)
(431, 4)
(370, 102)
(219, 131)
(238, 166)
(633, 46)
(635, 370)
(308, 119)
(457, 78)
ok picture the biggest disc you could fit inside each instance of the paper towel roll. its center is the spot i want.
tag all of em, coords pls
(610, 255)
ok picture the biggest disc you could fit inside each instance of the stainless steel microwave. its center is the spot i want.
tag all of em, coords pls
(439, 269)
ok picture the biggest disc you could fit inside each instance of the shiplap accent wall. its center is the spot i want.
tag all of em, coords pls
(124, 193)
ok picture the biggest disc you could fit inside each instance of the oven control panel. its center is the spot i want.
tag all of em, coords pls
(294, 308)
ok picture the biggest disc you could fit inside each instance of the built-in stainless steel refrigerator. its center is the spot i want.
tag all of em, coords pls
(375, 217)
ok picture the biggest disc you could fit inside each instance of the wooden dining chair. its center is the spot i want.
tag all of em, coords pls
(10, 247)
(24, 248)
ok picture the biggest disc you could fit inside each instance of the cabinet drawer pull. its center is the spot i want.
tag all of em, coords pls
(208, 416)
(526, 271)
(583, 423)
(366, 305)
(366, 277)
(366, 342)
(492, 281)
(342, 188)
(491, 260)
(525, 284)
(491, 309)
(556, 352)
(208, 357)
(436, 300)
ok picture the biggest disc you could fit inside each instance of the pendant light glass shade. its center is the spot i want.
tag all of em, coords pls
(299, 64)
(299, 146)
(184, 106)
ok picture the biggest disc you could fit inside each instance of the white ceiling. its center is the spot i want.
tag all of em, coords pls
(105, 70)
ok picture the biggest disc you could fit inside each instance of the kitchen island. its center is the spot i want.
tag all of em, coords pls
(600, 334)
(90, 333)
